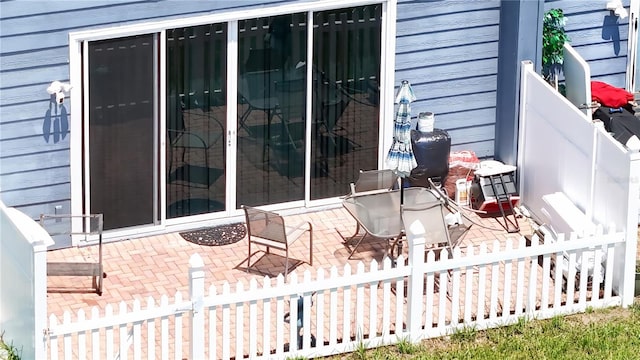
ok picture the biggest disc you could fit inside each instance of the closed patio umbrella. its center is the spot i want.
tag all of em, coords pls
(400, 157)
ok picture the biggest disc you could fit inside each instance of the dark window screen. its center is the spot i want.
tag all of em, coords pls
(121, 130)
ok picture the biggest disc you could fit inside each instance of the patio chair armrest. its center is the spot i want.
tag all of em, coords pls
(296, 231)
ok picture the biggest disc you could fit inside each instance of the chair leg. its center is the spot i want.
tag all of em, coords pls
(356, 246)
(310, 246)
(243, 119)
(249, 257)
(286, 264)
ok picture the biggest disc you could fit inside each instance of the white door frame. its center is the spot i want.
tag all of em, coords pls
(632, 54)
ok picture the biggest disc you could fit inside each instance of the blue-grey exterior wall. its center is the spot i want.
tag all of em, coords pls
(448, 49)
(598, 36)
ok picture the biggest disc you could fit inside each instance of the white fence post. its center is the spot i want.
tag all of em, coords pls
(196, 295)
(416, 238)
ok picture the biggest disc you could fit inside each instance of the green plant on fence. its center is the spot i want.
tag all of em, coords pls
(553, 39)
(8, 351)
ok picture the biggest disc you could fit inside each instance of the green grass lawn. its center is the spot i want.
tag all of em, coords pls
(612, 333)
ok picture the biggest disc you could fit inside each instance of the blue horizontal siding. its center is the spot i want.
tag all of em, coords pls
(599, 37)
(32, 129)
(28, 162)
(34, 50)
(448, 50)
(33, 178)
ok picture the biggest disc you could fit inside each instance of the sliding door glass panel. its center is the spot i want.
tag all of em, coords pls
(196, 115)
(121, 109)
(345, 104)
(271, 109)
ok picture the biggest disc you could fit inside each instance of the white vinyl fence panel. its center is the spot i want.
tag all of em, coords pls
(561, 150)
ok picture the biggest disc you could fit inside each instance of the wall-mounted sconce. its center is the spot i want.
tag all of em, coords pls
(618, 10)
(59, 89)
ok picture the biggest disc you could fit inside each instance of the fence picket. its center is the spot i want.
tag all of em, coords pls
(429, 289)
(293, 313)
(239, 335)
(333, 310)
(571, 277)
(306, 315)
(558, 278)
(608, 283)
(520, 282)
(68, 350)
(443, 289)
(373, 300)
(468, 282)
(253, 321)
(359, 310)
(213, 329)
(482, 283)
(400, 297)
(455, 290)
(279, 315)
(164, 324)
(123, 336)
(507, 293)
(151, 331)
(82, 338)
(178, 329)
(266, 320)
(226, 324)
(137, 341)
(346, 308)
(532, 283)
(585, 264)
(95, 335)
(517, 285)
(546, 274)
(320, 319)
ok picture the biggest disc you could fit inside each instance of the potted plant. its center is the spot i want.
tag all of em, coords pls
(553, 39)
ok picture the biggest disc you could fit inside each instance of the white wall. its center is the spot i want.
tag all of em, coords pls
(23, 281)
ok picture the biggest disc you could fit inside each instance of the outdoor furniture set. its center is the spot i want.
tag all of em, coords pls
(381, 210)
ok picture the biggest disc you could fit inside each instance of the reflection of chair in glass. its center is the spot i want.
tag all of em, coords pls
(257, 90)
(268, 229)
(291, 103)
(285, 141)
(180, 136)
(330, 102)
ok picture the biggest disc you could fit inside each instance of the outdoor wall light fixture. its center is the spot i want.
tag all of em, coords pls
(617, 8)
(58, 89)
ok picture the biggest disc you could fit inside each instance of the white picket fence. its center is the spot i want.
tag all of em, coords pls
(340, 310)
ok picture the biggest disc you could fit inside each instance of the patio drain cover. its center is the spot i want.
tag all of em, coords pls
(217, 235)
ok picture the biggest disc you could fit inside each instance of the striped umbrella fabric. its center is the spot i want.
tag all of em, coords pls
(400, 157)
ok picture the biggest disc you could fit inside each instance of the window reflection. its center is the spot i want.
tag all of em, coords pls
(271, 109)
(196, 112)
(346, 60)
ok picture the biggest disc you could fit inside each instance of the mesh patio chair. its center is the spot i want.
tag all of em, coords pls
(369, 181)
(430, 218)
(268, 229)
(374, 180)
